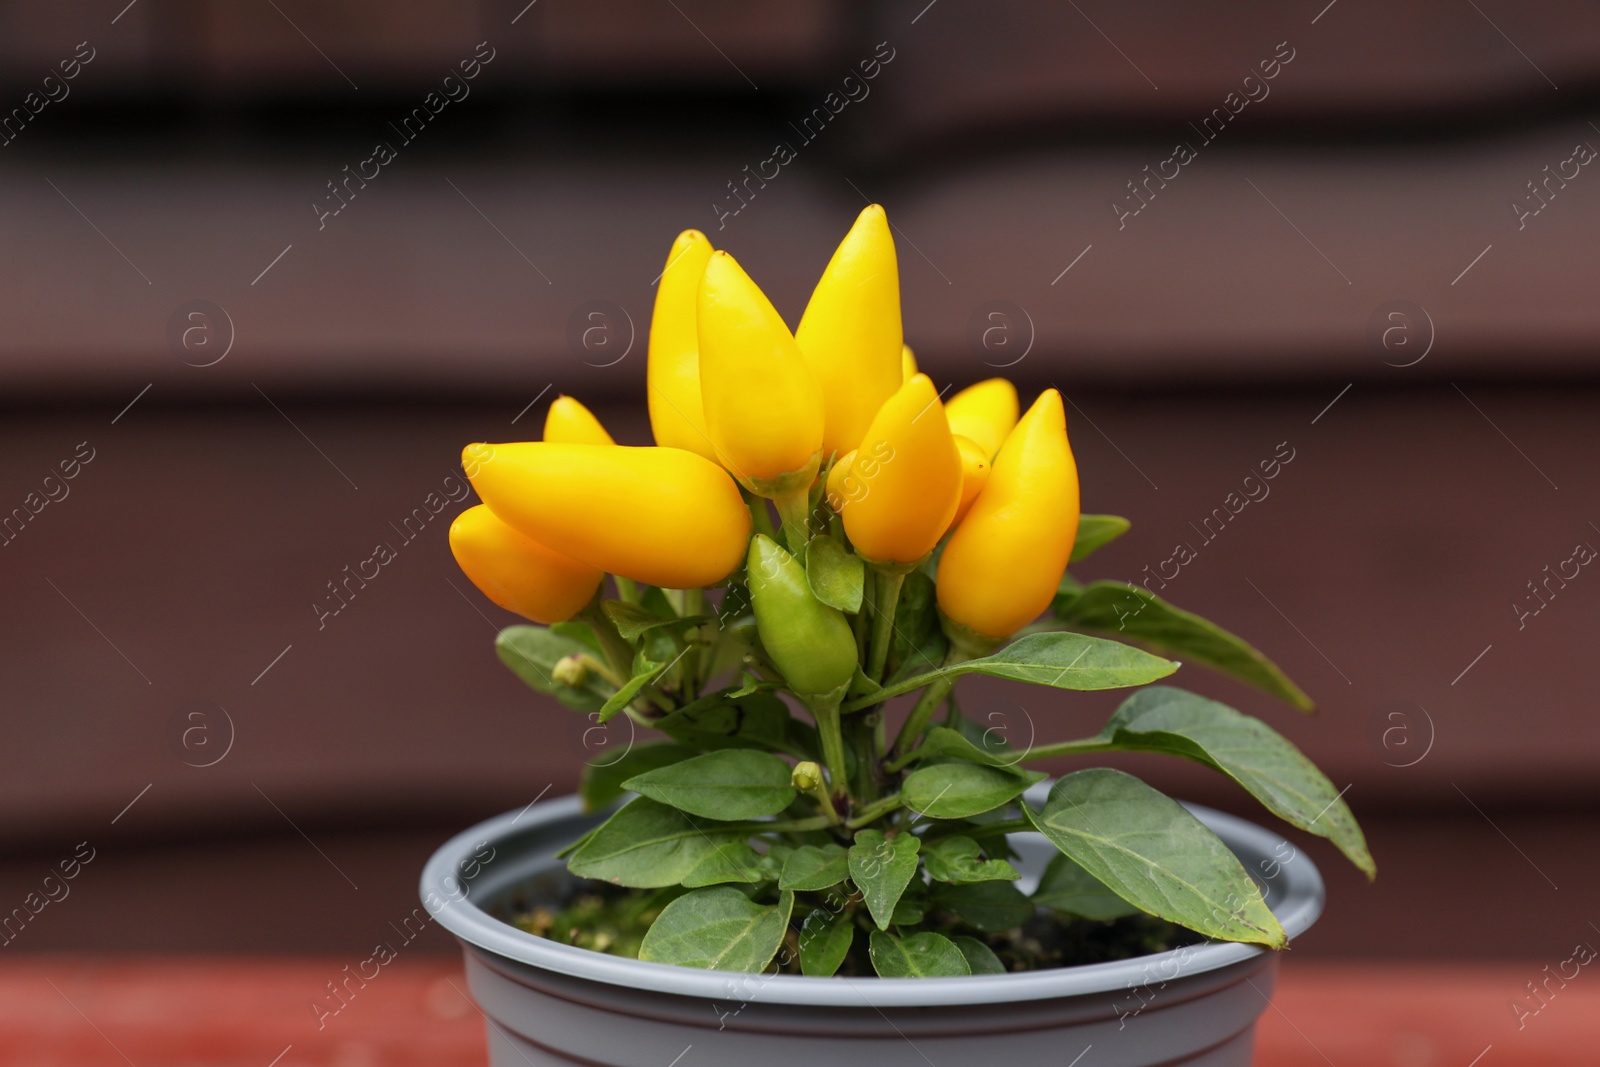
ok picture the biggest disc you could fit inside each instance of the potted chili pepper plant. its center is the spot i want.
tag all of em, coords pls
(780, 877)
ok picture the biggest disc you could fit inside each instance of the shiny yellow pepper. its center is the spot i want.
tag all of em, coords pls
(974, 476)
(763, 406)
(657, 515)
(567, 420)
(850, 332)
(672, 376)
(1002, 565)
(985, 412)
(909, 474)
(517, 572)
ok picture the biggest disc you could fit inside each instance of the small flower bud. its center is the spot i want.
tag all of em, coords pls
(807, 777)
(570, 671)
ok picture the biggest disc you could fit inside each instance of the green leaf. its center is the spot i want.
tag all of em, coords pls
(1067, 887)
(1059, 659)
(532, 653)
(647, 845)
(912, 905)
(958, 860)
(718, 930)
(882, 868)
(980, 957)
(941, 742)
(835, 576)
(759, 720)
(811, 868)
(1131, 612)
(924, 955)
(987, 906)
(1154, 854)
(960, 790)
(919, 643)
(602, 782)
(825, 941)
(632, 621)
(580, 632)
(733, 861)
(1163, 719)
(730, 784)
(1097, 531)
(646, 672)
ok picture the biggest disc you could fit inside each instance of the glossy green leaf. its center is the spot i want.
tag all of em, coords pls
(1097, 531)
(825, 941)
(961, 790)
(728, 784)
(1130, 612)
(602, 779)
(646, 671)
(912, 905)
(1069, 888)
(924, 955)
(980, 957)
(532, 653)
(836, 576)
(959, 860)
(812, 868)
(1060, 659)
(987, 906)
(1163, 719)
(758, 720)
(647, 845)
(882, 868)
(1153, 853)
(919, 643)
(632, 621)
(732, 861)
(718, 929)
(941, 742)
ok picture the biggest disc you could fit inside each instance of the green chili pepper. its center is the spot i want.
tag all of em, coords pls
(810, 642)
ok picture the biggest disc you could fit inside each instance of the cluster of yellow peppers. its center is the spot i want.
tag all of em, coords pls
(829, 421)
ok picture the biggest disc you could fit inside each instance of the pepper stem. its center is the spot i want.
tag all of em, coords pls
(885, 598)
(825, 710)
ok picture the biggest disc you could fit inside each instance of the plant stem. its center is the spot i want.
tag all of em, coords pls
(860, 736)
(826, 713)
(694, 603)
(1068, 748)
(760, 517)
(885, 598)
(917, 722)
(874, 811)
(794, 508)
(627, 589)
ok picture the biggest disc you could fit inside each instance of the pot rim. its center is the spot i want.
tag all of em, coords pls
(1299, 902)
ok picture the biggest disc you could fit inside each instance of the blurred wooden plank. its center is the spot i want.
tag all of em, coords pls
(235, 1012)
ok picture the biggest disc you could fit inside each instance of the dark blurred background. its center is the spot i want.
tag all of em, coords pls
(1377, 252)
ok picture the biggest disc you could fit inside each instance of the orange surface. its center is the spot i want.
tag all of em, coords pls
(89, 1012)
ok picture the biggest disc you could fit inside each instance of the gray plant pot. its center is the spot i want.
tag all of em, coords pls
(547, 1004)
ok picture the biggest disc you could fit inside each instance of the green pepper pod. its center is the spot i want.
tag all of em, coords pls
(810, 642)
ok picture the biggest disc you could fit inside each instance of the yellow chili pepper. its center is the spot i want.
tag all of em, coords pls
(657, 515)
(517, 572)
(570, 421)
(672, 378)
(908, 364)
(910, 476)
(850, 332)
(985, 412)
(974, 475)
(1001, 567)
(763, 404)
